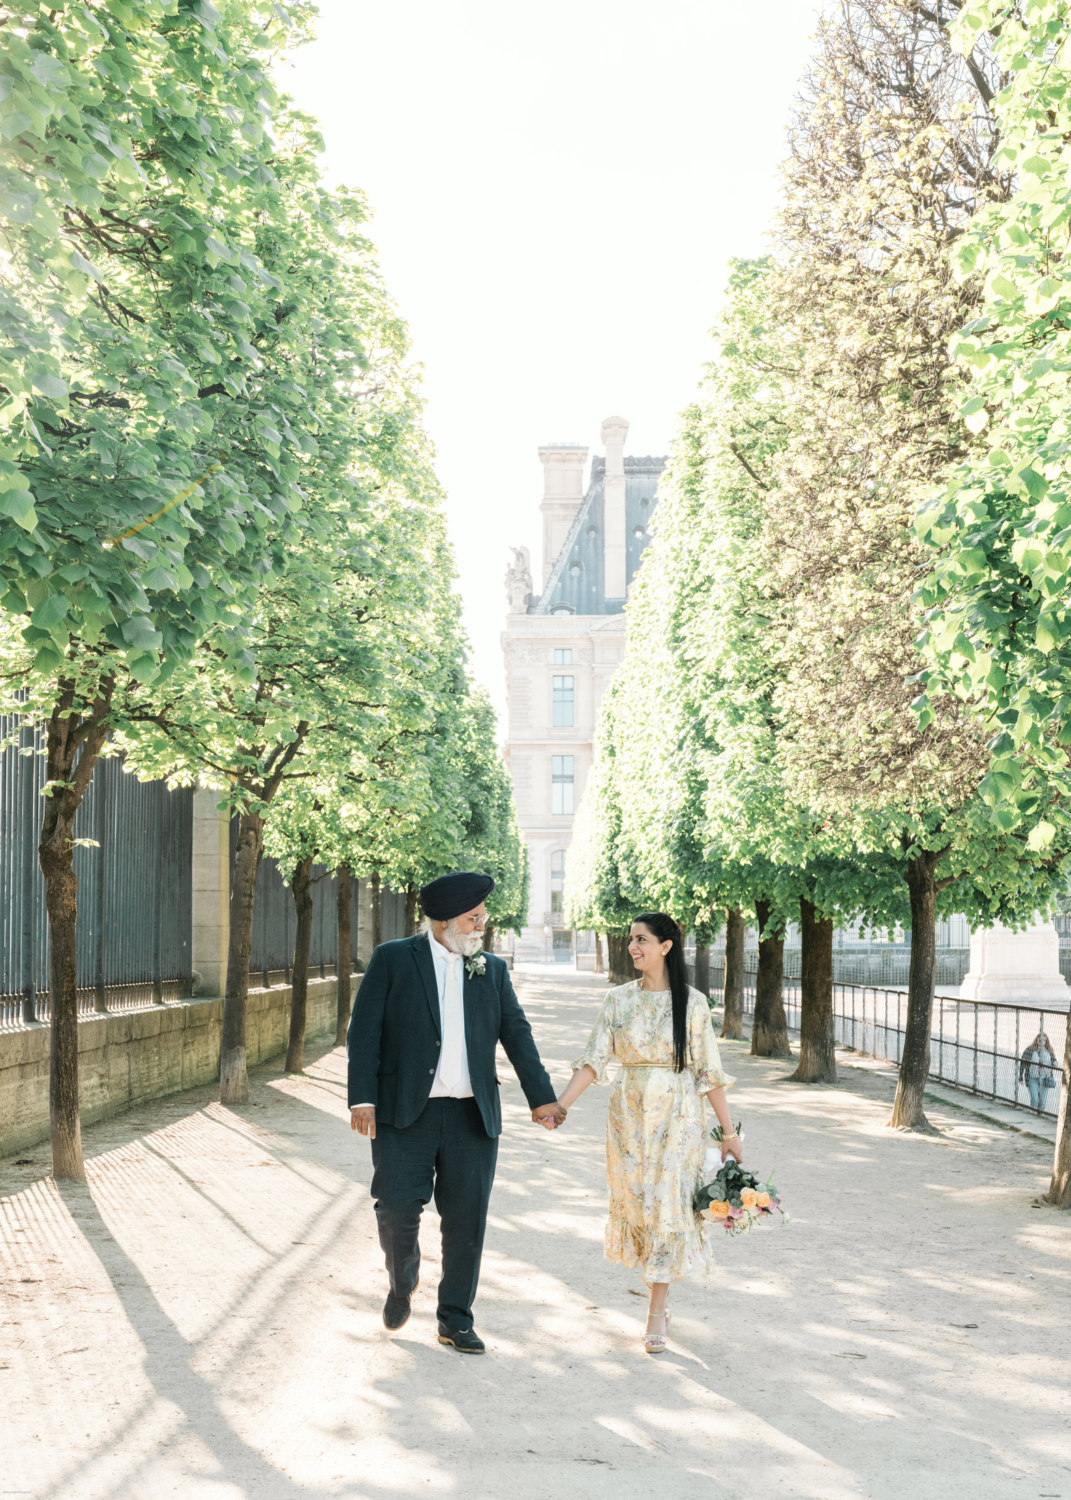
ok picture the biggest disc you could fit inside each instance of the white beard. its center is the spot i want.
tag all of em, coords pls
(467, 944)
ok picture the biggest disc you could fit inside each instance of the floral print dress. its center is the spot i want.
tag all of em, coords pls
(655, 1129)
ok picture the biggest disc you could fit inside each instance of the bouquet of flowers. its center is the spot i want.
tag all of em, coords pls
(733, 1197)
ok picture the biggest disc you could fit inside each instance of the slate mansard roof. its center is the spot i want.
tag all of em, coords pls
(576, 584)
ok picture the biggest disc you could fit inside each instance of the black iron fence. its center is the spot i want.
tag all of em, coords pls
(1009, 1053)
(271, 952)
(135, 896)
(134, 891)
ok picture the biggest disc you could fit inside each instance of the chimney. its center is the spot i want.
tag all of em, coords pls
(563, 490)
(614, 431)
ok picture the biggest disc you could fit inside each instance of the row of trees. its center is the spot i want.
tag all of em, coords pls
(222, 543)
(799, 731)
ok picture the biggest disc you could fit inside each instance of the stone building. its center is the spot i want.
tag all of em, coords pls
(562, 642)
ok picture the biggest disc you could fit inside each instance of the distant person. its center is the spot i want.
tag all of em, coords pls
(661, 1033)
(428, 1016)
(1037, 1069)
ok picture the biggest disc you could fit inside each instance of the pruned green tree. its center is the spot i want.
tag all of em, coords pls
(998, 631)
(894, 148)
(333, 657)
(774, 610)
(141, 474)
(336, 649)
(707, 826)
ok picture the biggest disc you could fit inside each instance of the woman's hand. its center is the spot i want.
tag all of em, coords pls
(733, 1146)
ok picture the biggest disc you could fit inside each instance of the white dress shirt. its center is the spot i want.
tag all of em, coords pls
(448, 965)
(450, 981)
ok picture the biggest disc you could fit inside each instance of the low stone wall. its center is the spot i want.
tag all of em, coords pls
(143, 1054)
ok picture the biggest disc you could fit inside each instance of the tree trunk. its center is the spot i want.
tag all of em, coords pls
(915, 1059)
(377, 912)
(61, 899)
(732, 1024)
(769, 1032)
(233, 1082)
(818, 1062)
(599, 965)
(411, 916)
(343, 963)
(301, 885)
(701, 977)
(622, 968)
(69, 732)
(1059, 1194)
(489, 938)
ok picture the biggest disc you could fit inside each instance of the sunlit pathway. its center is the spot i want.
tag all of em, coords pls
(204, 1319)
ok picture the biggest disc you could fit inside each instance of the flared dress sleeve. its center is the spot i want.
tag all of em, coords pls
(599, 1051)
(704, 1059)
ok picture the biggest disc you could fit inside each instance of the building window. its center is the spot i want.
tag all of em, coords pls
(563, 702)
(563, 658)
(561, 785)
(563, 609)
(557, 881)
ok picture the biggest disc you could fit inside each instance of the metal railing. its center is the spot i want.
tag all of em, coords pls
(134, 890)
(135, 896)
(271, 951)
(974, 1046)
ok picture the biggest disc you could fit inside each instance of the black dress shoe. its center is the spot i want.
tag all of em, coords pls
(464, 1342)
(396, 1312)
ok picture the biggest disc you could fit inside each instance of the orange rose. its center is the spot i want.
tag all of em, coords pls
(749, 1198)
(720, 1210)
(763, 1200)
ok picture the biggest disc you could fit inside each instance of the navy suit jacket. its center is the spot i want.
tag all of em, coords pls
(394, 1037)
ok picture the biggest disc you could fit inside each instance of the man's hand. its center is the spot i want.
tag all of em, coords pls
(550, 1116)
(363, 1118)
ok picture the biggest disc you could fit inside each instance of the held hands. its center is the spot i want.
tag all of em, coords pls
(550, 1116)
(363, 1118)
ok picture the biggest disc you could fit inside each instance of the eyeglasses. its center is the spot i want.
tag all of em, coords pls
(479, 921)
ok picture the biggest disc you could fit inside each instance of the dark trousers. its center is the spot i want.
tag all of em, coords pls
(446, 1151)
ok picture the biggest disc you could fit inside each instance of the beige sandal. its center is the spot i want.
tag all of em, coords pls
(655, 1343)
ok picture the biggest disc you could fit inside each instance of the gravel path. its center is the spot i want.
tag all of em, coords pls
(203, 1320)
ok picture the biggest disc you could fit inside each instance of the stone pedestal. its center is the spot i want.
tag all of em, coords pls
(1016, 968)
(211, 893)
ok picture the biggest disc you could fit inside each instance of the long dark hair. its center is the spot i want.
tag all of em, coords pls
(666, 930)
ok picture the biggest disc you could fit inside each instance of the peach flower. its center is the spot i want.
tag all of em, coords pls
(749, 1198)
(720, 1210)
(763, 1200)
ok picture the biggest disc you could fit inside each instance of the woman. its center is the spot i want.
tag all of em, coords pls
(661, 1033)
(1036, 1070)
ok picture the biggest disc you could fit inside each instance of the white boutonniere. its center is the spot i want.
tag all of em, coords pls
(475, 965)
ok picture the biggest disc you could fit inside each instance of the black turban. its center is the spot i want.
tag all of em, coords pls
(451, 895)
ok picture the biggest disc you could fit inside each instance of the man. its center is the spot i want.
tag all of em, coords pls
(422, 1084)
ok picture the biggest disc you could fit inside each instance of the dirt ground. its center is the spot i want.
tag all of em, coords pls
(203, 1319)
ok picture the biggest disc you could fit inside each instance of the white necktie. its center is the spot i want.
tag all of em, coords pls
(453, 1025)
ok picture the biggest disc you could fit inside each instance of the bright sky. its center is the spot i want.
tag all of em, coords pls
(557, 190)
